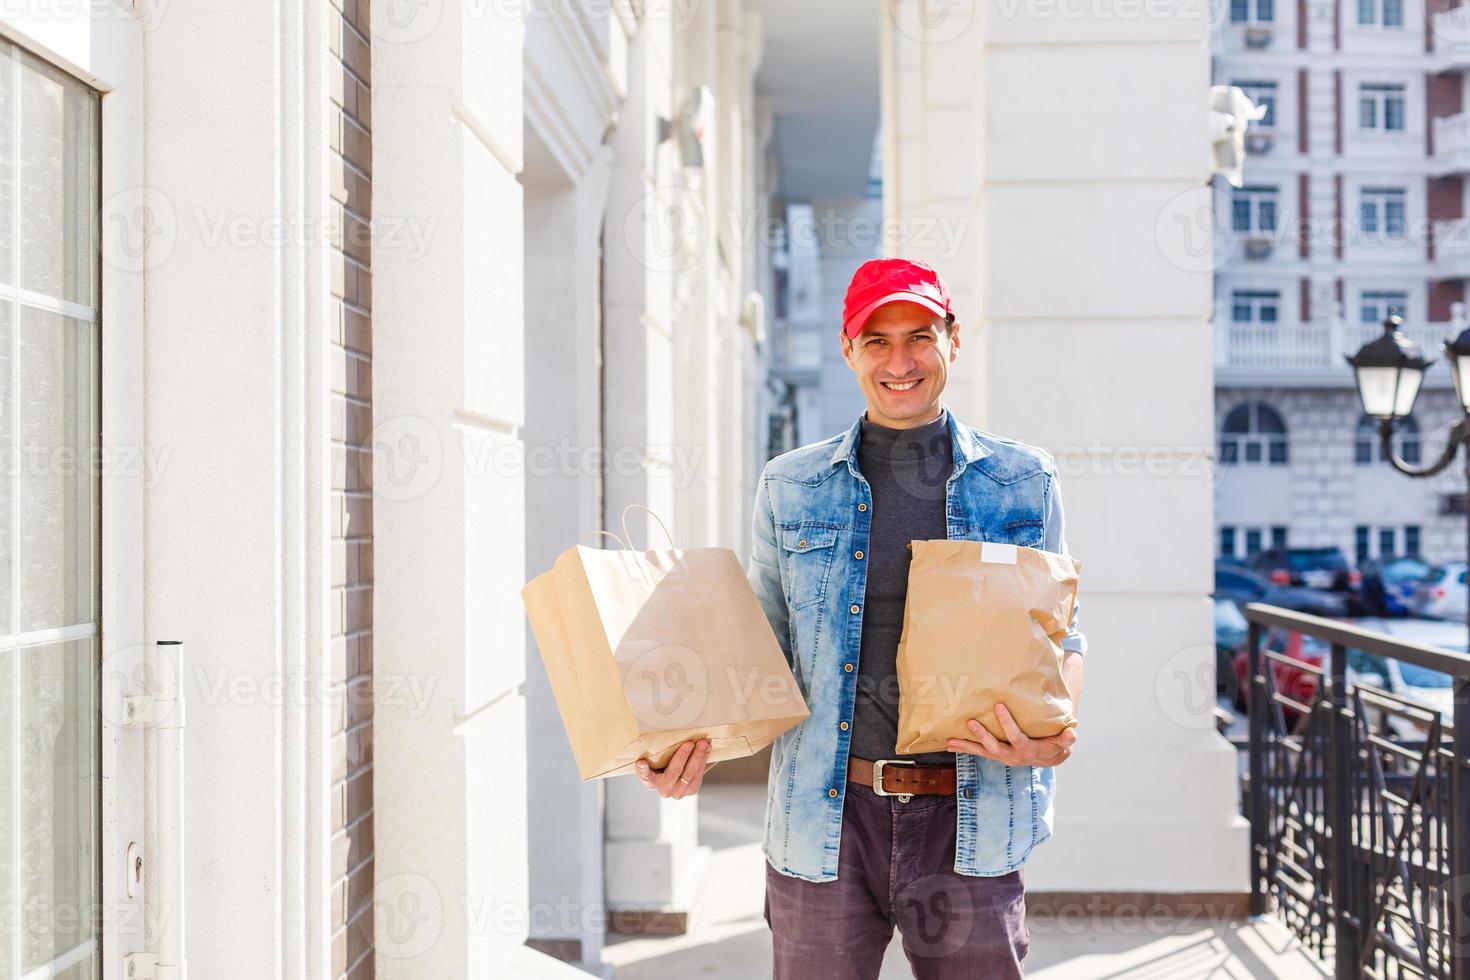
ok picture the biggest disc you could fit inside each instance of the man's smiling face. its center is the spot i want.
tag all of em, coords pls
(901, 359)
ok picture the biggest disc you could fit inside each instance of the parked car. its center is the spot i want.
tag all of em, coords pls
(1296, 682)
(1241, 585)
(1442, 593)
(1432, 689)
(1388, 585)
(1291, 681)
(1315, 568)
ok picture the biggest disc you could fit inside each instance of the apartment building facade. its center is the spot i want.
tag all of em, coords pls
(1353, 205)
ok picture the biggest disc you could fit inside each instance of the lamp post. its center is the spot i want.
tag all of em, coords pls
(1389, 371)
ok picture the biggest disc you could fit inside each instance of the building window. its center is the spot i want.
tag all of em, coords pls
(1375, 304)
(1262, 93)
(1253, 209)
(1411, 540)
(1388, 13)
(1255, 305)
(1382, 211)
(1360, 543)
(1254, 433)
(1252, 11)
(1387, 542)
(50, 300)
(1368, 448)
(1382, 107)
(1227, 542)
(1278, 536)
(1252, 541)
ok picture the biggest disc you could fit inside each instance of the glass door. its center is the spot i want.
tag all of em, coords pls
(50, 790)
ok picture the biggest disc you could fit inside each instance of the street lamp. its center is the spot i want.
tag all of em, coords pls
(1389, 372)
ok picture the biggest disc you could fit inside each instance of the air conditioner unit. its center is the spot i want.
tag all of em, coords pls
(1258, 247)
(1258, 36)
(1259, 142)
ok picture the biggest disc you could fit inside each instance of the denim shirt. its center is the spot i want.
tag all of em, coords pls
(811, 521)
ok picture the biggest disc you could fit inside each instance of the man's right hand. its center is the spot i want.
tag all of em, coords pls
(682, 776)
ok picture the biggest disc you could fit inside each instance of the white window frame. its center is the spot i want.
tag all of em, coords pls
(1255, 299)
(1376, 13)
(1379, 198)
(1253, 11)
(1380, 93)
(1255, 196)
(102, 44)
(1381, 300)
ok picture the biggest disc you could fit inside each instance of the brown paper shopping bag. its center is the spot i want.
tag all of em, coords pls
(645, 649)
(983, 623)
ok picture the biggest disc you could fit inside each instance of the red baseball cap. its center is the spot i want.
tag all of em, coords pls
(880, 281)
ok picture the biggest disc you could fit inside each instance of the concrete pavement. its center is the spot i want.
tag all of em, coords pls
(729, 939)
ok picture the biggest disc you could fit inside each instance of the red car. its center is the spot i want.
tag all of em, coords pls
(1291, 681)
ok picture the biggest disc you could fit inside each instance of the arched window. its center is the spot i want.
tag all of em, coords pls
(1368, 449)
(1254, 433)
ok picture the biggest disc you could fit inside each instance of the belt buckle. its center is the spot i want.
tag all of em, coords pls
(878, 767)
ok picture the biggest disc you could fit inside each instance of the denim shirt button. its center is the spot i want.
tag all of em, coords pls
(831, 792)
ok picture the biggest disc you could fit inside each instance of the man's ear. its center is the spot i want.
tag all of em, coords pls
(845, 343)
(954, 340)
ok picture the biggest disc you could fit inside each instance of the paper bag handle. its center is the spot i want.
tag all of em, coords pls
(619, 540)
(651, 514)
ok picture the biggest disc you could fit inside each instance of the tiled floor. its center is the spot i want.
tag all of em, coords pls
(730, 940)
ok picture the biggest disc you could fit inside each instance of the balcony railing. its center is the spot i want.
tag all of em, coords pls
(1450, 31)
(1318, 346)
(1451, 144)
(1452, 249)
(1360, 838)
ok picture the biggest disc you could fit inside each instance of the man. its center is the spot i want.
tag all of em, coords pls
(858, 838)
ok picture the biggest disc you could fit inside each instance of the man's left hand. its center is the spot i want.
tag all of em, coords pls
(1018, 750)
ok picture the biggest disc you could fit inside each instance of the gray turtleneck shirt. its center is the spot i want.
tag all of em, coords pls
(908, 470)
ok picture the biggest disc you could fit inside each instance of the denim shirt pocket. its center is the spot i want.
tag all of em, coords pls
(808, 548)
(1025, 533)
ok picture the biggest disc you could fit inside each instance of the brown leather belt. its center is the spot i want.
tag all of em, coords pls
(901, 778)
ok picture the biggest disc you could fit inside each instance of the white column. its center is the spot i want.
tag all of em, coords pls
(238, 524)
(450, 765)
(1068, 144)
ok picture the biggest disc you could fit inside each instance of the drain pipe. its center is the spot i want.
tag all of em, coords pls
(162, 713)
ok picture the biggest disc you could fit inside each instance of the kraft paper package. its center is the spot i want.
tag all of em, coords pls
(983, 623)
(645, 649)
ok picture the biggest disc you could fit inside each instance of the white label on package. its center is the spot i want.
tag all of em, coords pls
(1001, 554)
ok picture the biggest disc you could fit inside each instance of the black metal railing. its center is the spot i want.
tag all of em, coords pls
(1359, 803)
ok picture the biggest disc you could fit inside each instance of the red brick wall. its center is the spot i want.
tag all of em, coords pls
(1441, 295)
(1441, 98)
(352, 544)
(1304, 214)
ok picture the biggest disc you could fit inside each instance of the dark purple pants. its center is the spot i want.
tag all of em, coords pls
(896, 867)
